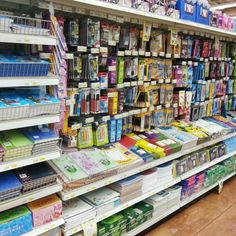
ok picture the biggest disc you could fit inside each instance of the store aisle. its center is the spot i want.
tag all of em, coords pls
(214, 215)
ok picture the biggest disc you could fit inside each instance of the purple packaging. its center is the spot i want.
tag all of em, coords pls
(111, 70)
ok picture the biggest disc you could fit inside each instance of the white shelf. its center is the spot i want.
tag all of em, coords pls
(148, 16)
(23, 199)
(27, 122)
(27, 39)
(45, 228)
(207, 165)
(66, 195)
(10, 165)
(153, 221)
(157, 190)
(7, 82)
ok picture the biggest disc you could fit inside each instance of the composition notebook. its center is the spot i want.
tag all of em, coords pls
(68, 167)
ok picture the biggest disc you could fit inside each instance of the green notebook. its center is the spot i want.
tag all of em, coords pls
(69, 168)
(13, 139)
(12, 214)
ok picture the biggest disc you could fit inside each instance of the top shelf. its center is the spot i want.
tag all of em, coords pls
(81, 6)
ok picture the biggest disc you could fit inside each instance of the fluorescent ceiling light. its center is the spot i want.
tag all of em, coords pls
(224, 6)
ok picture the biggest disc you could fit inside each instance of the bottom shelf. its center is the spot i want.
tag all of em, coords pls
(45, 228)
(153, 221)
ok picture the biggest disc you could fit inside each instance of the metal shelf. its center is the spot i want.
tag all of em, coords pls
(27, 122)
(157, 190)
(25, 198)
(45, 228)
(27, 39)
(66, 195)
(153, 221)
(7, 82)
(10, 165)
(122, 11)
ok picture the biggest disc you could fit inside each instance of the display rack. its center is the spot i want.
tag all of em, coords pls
(157, 190)
(25, 198)
(66, 195)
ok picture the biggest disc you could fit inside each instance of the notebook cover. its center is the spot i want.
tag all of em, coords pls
(9, 181)
(30, 173)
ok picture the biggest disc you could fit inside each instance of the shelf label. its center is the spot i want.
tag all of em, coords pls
(153, 82)
(127, 84)
(154, 54)
(112, 43)
(82, 49)
(141, 53)
(75, 127)
(120, 53)
(140, 82)
(95, 85)
(162, 54)
(147, 54)
(112, 17)
(134, 83)
(128, 52)
(106, 118)
(89, 120)
(83, 85)
(95, 50)
(119, 86)
(134, 53)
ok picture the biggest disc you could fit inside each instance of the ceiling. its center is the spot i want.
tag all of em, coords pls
(230, 11)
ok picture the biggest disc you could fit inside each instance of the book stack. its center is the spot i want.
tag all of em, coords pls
(128, 188)
(45, 210)
(103, 199)
(44, 139)
(122, 156)
(10, 186)
(36, 176)
(15, 145)
(71, 175)
(76, 212)
(164, 173)
(149, 180)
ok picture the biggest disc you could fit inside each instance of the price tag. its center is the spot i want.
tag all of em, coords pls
(174, 81)
(75, 127)
(146, 84)
(112, 68)
(153, 82)
(82, 49)
(125, 114)
(119, 86)
(134, 20)
(161, 54)
(147, 27)
(103, 50)
(147, 54)
(128, 52)
(176, 56)
(112, 43)
(141, 53)
(119, 116)
(120, 53)
(80, 10)
(135, 53)
(175, 105)
(95, 85)
(42, 159)
(89, 120)
(154, 54)
(143, 110)
(83, 85)
(106, 118)
(173, 37)
(140, 83)
(134, 83)
(127, 84)
(167, 105)
(103, 15)
(94, 50)
(70, 56)
(67, 9)
(168, 55)
(120, 19)
(112, 17)
(137, 111)
(161, 81)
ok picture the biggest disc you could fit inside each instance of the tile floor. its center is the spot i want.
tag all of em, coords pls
(213, 215)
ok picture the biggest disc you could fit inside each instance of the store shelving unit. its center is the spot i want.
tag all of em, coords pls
(10, 165)
(153, 221)
(157, 190)
(66, 195)
(32, 196)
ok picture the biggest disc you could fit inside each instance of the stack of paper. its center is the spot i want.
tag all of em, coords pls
(43, 138)
(10, 186)
(15, 145)
(69, 172)
(36, 176)
(76, 212)
(164, 173)
(103, 199)
(149, 180)
(128, 188)
(122, 156)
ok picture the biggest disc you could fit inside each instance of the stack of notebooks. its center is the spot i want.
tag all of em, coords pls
(14, 145)
(103, 199)
(10, 186)
(76, 212)
(149, 180)
(43, 139)
(36, 176)
(128, 188)
(164, 173)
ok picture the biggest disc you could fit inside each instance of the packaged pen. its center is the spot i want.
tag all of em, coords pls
(112, 66)
(85, 137)
(72, 32)
(95, 101)
(85, 101)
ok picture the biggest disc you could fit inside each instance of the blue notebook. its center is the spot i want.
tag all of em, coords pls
(9, 182)
(40, 134)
